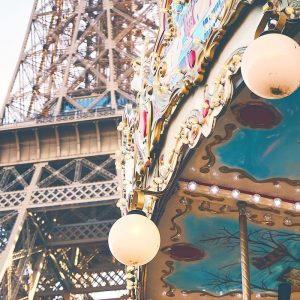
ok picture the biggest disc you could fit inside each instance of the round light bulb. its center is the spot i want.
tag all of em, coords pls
(235, 194)
(191, 186)
(271, 66)
(297, 206)
(134, 239)
(256, 198)
(214, 189)
(277, 202)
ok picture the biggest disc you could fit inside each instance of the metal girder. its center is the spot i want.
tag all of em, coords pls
(78, 48)
(36, 275)
(21, 270)
(7, 217)
(79, 278)
(60, 273)
(7, 181)
(76, 166)
(98, 169)
(78, 169)
(71, 52)
(83, 233)
(83, 194)
(6, 256)
(57, 174)
(5, 177)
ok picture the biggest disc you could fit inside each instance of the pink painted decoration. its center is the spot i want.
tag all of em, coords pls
(192, 58)
(205, 110)
(143, 123)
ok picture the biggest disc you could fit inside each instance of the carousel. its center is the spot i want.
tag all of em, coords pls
(210, 155)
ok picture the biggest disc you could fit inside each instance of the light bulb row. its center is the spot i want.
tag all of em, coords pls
(235, 194)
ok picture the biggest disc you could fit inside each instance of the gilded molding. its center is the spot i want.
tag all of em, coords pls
(200, 123)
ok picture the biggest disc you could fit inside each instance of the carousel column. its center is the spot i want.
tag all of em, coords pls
(244, 251)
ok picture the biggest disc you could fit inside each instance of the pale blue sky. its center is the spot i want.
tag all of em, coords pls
(14, 17)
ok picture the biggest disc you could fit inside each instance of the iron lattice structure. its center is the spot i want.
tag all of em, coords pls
(77, 56)
(54, 222)
(58, 181)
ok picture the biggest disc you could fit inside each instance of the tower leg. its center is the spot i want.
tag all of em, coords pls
(7, 254)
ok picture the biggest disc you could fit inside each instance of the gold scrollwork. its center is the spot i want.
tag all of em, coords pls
(196, 125)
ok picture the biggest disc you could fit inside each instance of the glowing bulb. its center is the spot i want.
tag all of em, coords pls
(297, 206)
(256, 198)
(271, 66)
(277, 202)
(134, 239)
(214, 189)
(192, 186)
(235, 194)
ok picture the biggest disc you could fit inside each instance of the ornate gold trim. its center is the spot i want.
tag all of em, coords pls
(203, 126)
(204, 60)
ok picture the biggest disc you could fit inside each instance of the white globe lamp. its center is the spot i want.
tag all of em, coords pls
(134, 239)
(271, 66)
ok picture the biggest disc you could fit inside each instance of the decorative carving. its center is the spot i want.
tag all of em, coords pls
(205, 196)
(204, 293)
(217, 16)
(171, 289)
(179, 213)
(196, 124)
(229, 129)
(243, 174)
(206, 206)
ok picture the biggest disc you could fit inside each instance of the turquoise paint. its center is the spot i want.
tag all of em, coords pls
(219, 272)
(268, 153)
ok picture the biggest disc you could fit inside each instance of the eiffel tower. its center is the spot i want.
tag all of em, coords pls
(58, 132)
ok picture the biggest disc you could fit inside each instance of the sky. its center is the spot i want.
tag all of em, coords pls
(14, 17)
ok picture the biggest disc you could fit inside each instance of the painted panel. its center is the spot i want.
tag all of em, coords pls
(255, 150)
(274, 257)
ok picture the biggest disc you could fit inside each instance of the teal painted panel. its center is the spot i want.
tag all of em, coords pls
(268, 153)
(274, 257)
